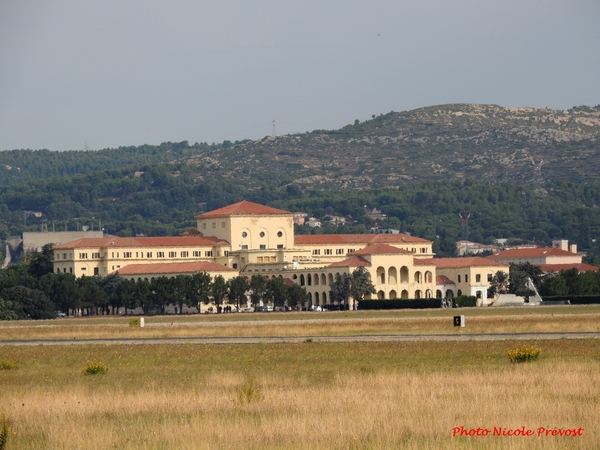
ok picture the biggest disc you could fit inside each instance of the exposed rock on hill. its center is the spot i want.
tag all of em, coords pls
(490, 143)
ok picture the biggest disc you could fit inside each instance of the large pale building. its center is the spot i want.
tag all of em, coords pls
(247, 238)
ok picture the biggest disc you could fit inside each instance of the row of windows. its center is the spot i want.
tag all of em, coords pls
(261, 234)
(328, 251)
(214, 225)
(172, 254)
(266, 259)
(477, 278)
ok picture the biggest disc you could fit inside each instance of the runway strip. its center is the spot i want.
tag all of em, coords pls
(282, 339)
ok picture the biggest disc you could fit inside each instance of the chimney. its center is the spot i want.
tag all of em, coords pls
(573, 248)
(562, 244)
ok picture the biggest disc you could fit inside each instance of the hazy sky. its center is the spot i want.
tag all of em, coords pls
(130, 72)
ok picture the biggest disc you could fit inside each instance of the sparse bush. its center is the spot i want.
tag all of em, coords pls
(95, 368)
(8, 365)
(367, 370)
(464, 301)
(135, 322)
(524, 354)
(4, 432)
(249, 392)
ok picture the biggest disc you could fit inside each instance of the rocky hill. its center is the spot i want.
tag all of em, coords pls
(490, 143)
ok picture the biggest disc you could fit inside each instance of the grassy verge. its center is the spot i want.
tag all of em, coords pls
(308, 395)
(316, 325)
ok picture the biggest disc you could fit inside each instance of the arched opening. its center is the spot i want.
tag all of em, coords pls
(404, 293)
(459, 293)
(404, 274)
(449, 293)
(418, 277)
(317, 298)
(478, 294)
(309, 280)
(316, 278)
(393, 294)
(330, 279)
(323, 279)
(302, 280)
(381, 295)
(324, 297)
(438, 294)
(418, 293)
(392, 275)
(428, 277)
(428, 293)
(294, 277)
(310, 302)
(381, 275)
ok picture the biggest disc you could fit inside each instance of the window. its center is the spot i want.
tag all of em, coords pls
(279, 245)
(279, 234)
(204, 226)
(58, 270)
(113, 255)
(263, 247)
(136, 254)
(350, 250)
(477, 278)
(459, 278)
(197, 253)
(95, 255)
(126, 254)
(234, 265)
(328, 251)
(172, 254)
(70, 270)
(222, 224)
(414, 250)
(259, 259)
(226, 253)
(64, 256)
(96, 271)
(214, 225)
(466, 278)
(244, 247)
(339, 251)
(83, 268)
(490, 277)
(262, 234)
(149, 255)
(160, 254)
(184, 254)
(316, 252)
(83, 256)
(244, 234)
(208, 254)
(423, 250)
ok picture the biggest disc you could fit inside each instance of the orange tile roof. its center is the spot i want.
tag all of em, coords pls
(443, 279)
(164, 268)
(381, 249)
(449, 263)
(316, 239)
(244, 208)
(354, 261)
(531, 253)
(582, 267)
(167, 241)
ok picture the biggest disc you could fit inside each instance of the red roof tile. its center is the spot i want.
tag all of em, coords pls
(184, 267)
(531, 253)
(354, 261)
(381, 249)
(167, 241)
(244, 208)
(558, 267)
(316, 239)
(443, 279)
(448, 263)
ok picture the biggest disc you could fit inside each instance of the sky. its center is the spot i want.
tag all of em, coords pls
(111, 73)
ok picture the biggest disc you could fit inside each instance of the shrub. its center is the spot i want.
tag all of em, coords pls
(8, 365)
(524, 354)
(95, 368)
(464, 301)
(135, 322)
(4, 432)
(249, 392)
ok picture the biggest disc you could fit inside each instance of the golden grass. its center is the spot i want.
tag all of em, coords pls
(312, 395)
(322, 325)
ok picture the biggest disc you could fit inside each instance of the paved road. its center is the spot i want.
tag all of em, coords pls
(280, 339)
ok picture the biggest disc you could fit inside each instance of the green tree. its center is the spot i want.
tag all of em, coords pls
(277, 291)
(258, 286)
(297, 295)
(340, 289)
(361, 284)
(7, 311)
(30, 303)
(219, 290)
(238, 287)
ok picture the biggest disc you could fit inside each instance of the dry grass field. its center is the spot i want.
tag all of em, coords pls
(478, 320)
(300, 396)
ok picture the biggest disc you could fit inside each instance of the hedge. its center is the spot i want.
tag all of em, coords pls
(404, 303)
(576, 299)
